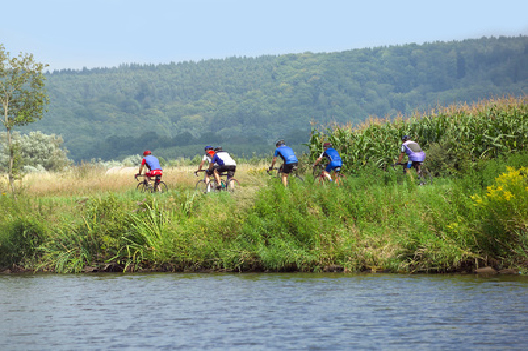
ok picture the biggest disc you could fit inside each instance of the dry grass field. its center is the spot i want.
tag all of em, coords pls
(89, 180)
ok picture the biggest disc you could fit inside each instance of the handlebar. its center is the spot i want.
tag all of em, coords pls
(271, 170)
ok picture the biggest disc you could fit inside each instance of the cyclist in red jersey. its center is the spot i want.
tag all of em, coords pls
(154, 169)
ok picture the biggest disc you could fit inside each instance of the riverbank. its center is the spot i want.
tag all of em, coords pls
(377, 221)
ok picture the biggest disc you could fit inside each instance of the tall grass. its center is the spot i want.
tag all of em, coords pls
(378, 220)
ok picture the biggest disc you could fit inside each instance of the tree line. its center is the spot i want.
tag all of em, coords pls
(110, 112)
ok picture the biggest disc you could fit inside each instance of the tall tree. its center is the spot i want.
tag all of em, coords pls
(23, 96)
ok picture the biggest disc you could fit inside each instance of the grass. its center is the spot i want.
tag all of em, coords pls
(377, 221)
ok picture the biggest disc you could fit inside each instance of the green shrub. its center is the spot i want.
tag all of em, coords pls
(20, 241)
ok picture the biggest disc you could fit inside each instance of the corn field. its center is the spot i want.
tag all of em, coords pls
(485, 129)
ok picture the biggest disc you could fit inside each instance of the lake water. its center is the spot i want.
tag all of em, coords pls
(263, 312)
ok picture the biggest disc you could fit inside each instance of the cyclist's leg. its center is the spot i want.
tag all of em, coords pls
(230, 175)
(327, 172)
(285, 175)
(157, 182)
(284, 178)
(217, 178)
(207, 181)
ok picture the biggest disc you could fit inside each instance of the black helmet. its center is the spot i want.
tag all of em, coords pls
(208, 147)
(405, 137)
(218, 148)
(279, 142)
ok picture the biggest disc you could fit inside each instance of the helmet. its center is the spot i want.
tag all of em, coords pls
(218, 148)
(279, 142)
(147, 153)
(208, 147)
(327, 145)
(405, 137)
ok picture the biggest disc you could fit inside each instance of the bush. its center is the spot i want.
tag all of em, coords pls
(503, 210)
(20, 241)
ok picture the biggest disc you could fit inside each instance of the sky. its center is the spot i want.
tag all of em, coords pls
(107, 33)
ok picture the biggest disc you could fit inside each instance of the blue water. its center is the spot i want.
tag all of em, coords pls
(263, 312)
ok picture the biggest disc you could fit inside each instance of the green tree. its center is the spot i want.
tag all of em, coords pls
(22, 95)
(37, 150)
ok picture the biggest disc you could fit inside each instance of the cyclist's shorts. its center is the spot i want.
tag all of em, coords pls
(289, 168)
(329, 168)
(414, 163)
(208, 172)
(153, 174)
(230, 170)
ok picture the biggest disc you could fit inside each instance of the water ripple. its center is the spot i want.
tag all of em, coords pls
(262, 312)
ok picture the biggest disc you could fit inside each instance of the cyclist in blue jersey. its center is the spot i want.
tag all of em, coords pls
(334, 160)
(225, 163)
(289, 158)
(154, 169)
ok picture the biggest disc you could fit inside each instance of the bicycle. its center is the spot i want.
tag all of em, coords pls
(294, 174)
(321, 178)
(213, 186)
(424, 176)
(144, 186)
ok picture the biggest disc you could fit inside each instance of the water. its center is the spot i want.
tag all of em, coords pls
(263, 312)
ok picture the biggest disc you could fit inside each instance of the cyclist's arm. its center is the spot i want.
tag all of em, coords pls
(400, 158)
(273, 161)
(201, 164)
(212, 163)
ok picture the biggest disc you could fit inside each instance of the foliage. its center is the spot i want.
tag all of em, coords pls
(22, 96)
(455, 137)
(377, 220)
(111, 112)
(37, 150)
(371, 222)
(19, 241)
(503, 209)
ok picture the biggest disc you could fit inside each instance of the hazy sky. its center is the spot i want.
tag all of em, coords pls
(107, 33)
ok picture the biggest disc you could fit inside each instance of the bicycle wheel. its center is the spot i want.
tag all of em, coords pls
(226, 187)
(425, 177)
(142, 187)
(339, 178)
(298, 177)
(161, 188)
(201, 187)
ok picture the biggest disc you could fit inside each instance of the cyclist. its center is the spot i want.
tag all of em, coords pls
(207, 157)
(414, 152)
(154, 169)
(334, 160)
(289, 158)
(225, 163)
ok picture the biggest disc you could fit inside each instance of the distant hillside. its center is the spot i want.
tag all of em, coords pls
(110, 112)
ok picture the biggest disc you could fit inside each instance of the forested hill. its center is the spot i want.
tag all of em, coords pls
(110, 112)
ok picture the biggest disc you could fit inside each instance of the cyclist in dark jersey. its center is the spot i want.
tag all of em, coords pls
(334, 160)
(289, 158)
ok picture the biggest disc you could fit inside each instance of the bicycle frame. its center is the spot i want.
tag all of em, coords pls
(318, 173)
(294, 174)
